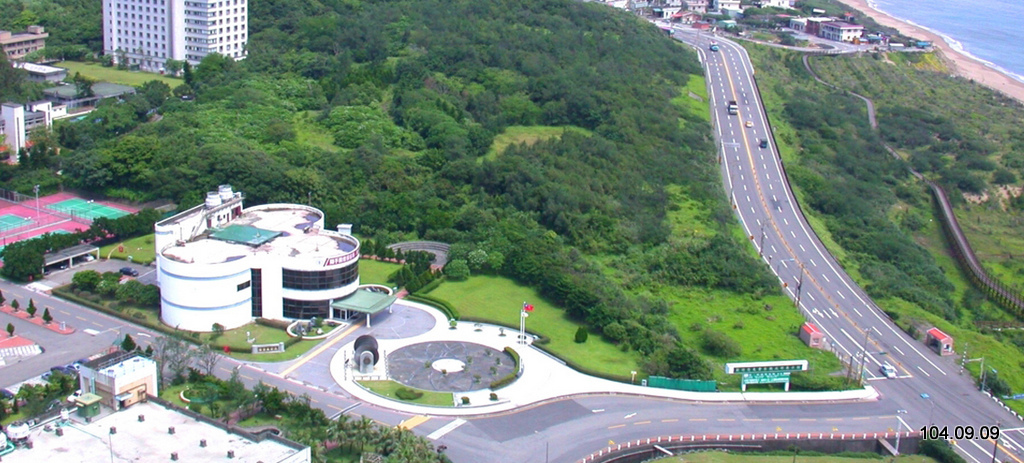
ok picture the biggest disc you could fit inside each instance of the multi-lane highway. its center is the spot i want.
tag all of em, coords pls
(827, 296)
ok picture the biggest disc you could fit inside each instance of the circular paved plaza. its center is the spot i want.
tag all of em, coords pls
(449, 366)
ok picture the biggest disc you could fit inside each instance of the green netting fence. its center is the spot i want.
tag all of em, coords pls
(682, 384)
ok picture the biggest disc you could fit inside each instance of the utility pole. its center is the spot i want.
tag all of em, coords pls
(800, 287)
(760, 247)
(995, 446)
(899, 429)
(36, 189)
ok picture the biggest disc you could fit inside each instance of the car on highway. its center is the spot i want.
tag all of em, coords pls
(714, 47)
(763, 144)
(129, 271)
(749, 123)
(887, 370)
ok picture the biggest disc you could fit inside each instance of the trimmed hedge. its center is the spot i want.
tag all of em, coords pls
(444, 306)
(514, 354)
(280, 324)
(940, 450)
(430, 286)
(64, 293)
(405, 393)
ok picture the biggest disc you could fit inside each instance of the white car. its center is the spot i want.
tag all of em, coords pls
(887, 370)
(72, 397)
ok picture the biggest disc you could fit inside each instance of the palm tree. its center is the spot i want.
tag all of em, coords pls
(364, 430)
(338, 431)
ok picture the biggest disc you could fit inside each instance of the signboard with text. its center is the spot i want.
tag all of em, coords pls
(773, 377)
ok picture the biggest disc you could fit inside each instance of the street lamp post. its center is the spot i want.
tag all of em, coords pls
(800, 287)
(36, 190)
(899, 428)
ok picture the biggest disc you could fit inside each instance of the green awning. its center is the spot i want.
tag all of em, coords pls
(364, 301)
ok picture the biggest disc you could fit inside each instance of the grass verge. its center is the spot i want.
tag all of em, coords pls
(498, 300)
(141, 250)
(376, 272)
(114, 75)
(388, 389)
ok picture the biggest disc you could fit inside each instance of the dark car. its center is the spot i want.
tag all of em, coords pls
(64, 370)
(764, 144)
(6, 395)
(129, 271)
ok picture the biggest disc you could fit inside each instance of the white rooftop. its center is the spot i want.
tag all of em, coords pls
(298, 237)
(147, 441)
(39, 68)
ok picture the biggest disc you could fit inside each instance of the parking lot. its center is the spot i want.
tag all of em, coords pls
(147, 274)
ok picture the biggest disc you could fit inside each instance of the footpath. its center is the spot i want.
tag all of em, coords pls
(543, 378)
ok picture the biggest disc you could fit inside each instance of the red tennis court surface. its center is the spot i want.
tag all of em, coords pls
(44, 220)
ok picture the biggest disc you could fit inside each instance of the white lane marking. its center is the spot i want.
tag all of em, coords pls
(744, 187)
(774, 198)
(812, 262)
(964, 452)
(446, 429)
(767, 176)
(791, 233)
(802, 248)
(773, 249)
(898, 350)
(748, 198)
(840, 294)
(810, 296)
(858, 312)
(860, 348)
(91, 332)
(752, 210)
(785, 221)
(826, 277)
(771, 187)
(976, 445)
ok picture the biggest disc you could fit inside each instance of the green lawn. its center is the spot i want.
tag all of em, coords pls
(263, 335)
(763, 334)
(694, 98)
(141, 250)
(375, 272)
(388, 388)
(499, 300)
(726, 457)
(527, 134)
(114, 75)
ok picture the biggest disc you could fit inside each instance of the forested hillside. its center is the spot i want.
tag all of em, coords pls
(879, 220)
(381, 114)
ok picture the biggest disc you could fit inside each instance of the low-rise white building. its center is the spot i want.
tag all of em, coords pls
(841, 31)
(221, 263)
(42, 73)
(720, 5)
(121, 379)
(17, 120)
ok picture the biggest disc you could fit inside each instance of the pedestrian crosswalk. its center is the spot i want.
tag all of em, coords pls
(21, 351)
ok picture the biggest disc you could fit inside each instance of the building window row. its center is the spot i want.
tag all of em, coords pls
(324, 279)
(305, 309)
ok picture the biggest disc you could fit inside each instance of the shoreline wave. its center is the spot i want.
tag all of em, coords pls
(953, 43)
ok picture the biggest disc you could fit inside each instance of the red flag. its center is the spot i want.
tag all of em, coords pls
(527, 307)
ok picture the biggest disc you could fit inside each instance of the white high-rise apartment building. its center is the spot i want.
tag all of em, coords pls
(148, 32)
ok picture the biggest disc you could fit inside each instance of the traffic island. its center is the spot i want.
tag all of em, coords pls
(52, 325)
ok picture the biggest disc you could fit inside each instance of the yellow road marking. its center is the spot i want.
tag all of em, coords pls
(641, 422)
(1006, 452)
(320, 350)
(808, 419)
(246, 377)
(698, 419)
(726, 419)
(780, 419)
(413, 422)
(673, 420)
(833, 419)
(80, 318)
(859, 418)
(617, 426)
(751, 419)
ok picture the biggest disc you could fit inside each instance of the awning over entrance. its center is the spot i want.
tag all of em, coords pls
(363, 301)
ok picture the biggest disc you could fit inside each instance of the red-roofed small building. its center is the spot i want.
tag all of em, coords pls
(940, 342)
(812, 336)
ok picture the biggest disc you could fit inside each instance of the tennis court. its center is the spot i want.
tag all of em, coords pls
(10, 222)
(87, 209)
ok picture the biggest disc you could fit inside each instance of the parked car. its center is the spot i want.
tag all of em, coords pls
(6, 395)
(129, 271)
(75, 395)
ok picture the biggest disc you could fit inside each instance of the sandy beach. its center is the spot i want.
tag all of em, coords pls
(963, 65)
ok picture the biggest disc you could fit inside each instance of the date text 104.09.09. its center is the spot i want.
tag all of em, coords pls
(960, 432)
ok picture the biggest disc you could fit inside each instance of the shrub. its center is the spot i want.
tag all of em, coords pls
(457, 270)
(430, 286)
(720, 344)
(408, 394)
(615, 332)
(940, 450)
(494, 396)
(581, 335)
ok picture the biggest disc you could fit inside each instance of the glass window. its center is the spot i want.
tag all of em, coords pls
(305, 309)
(326, 279)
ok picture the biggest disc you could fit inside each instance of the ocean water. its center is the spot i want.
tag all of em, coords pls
(990, 30)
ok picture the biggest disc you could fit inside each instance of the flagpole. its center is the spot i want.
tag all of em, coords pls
(522, 324)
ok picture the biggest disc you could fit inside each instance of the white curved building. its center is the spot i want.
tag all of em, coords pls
(220, 263)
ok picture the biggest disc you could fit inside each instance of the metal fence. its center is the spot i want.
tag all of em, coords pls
(682, 384)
